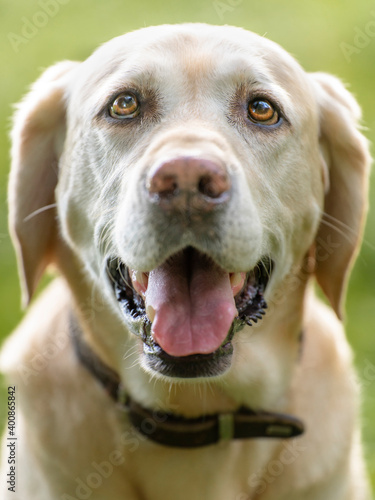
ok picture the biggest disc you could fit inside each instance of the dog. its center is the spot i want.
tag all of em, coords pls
(189, 183)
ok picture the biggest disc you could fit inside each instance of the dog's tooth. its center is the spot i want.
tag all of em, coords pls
(140, 281)
(150, 312)
(235, 279)
(142, 278)
(236, 282)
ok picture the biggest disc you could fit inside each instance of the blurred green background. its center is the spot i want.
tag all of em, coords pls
(324, 35)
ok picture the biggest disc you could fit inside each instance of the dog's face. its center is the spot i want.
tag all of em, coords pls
(195, 163)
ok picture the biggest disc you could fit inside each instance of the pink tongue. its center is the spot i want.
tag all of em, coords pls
(193, 303)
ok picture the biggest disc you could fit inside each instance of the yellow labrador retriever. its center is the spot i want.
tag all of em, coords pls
(188, 182)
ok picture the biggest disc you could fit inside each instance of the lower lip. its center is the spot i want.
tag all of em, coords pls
(194, 366)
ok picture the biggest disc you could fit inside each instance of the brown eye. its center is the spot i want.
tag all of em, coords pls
(125, 105)
(261, 111)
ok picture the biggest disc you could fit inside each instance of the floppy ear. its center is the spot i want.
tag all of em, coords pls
(38, 134)
(346, 154)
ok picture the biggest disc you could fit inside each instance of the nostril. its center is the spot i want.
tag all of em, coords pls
(213, 185)
(163, 186)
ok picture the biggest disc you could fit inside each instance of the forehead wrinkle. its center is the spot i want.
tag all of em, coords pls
(252, 74)
(136, 78)
(112, 82)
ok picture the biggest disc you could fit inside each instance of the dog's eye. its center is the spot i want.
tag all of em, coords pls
(262, 111)
(125, 105)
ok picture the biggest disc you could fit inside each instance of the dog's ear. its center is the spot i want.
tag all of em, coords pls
(37, 137)
(346, 158)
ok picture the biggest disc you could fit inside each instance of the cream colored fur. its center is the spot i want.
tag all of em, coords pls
(76, 196)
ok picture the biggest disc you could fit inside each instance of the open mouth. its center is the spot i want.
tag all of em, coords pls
(187, 310)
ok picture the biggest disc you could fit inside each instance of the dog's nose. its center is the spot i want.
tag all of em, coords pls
(189, 181)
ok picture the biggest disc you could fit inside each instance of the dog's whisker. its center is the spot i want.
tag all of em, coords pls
(105, 236)
(39, 211)
(169, 390)
(131, 352)
(124, 278)
(332, 225)
(338, 230)
(337, 221)
(137, 362)
(210, 387)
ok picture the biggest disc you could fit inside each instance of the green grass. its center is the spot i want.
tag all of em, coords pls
(312, 31)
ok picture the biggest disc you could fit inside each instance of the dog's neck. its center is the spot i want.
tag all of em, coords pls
(175, 430)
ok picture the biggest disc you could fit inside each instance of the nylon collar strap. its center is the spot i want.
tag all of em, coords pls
(173, 430)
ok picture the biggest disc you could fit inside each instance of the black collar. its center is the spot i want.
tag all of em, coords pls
(173, 430)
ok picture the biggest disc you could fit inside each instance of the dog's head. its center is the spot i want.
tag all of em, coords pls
(187, 171)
